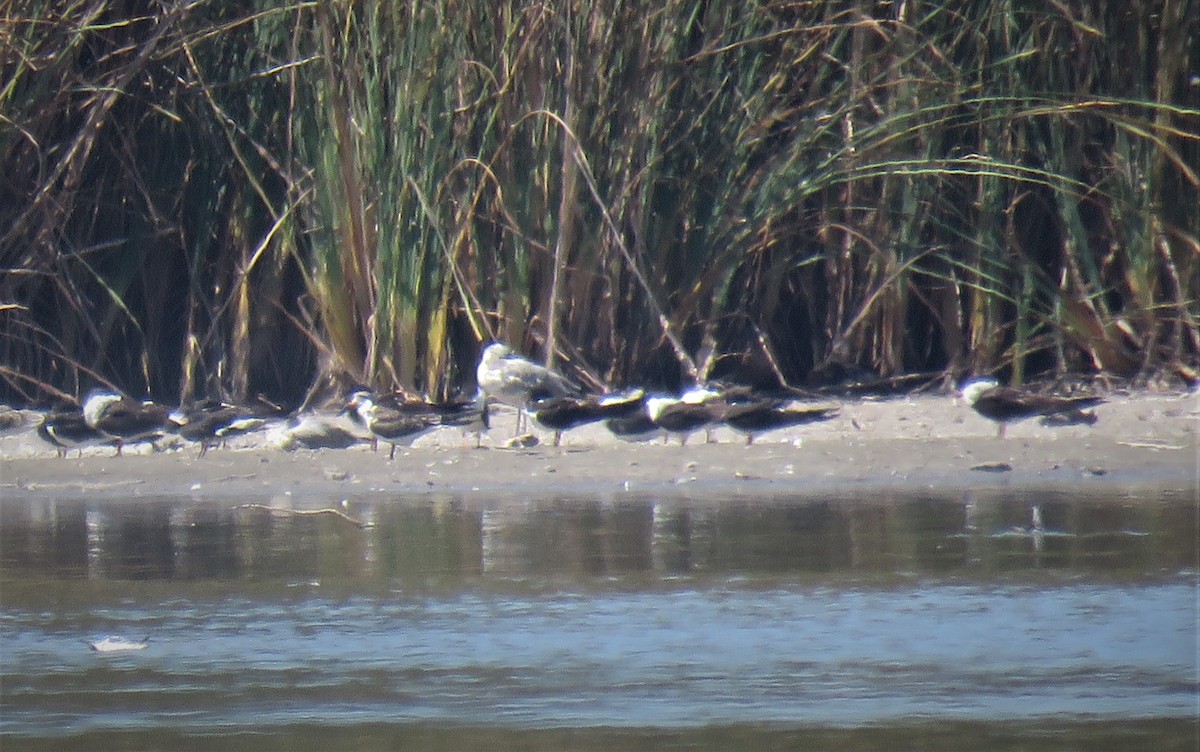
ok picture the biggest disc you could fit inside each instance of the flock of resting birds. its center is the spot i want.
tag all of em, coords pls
(504, 377)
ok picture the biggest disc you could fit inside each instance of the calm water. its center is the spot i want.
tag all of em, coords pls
(627, 622)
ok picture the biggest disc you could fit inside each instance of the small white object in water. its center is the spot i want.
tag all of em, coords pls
(118, 644)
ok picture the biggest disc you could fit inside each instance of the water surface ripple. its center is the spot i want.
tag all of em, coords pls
(595, 614)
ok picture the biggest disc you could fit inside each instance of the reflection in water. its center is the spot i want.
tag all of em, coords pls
(179, 539)
(469, 623)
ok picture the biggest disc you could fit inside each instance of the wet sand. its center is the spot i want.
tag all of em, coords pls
(1143, 443)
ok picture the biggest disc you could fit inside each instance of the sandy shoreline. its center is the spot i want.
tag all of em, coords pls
(1143, 443)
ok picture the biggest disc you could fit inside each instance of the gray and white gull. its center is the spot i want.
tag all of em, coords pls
(510, 379)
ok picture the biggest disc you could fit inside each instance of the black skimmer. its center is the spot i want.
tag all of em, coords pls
(391, 420)
(210, 423)
(125, 420)
(66, 429)
(691, 411)
(510, 379)
(563, 413)
(467, 414)
(1004, 404)
(636, 426)
(754, 415)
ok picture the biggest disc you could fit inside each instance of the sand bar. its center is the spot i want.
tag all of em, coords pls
(1143, 443)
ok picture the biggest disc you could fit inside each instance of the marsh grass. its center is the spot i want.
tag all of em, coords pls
(202, 200)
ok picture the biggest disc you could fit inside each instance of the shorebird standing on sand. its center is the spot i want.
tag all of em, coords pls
(209, 423)
(1004, 404)
(66, 429)
(510, 379)
(124, 420)
(696, 408)
(636, 426)
(754, 415)
(469, 414)
(562, 413)
(392, 421)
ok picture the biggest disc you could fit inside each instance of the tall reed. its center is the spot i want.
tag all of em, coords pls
(215, 200)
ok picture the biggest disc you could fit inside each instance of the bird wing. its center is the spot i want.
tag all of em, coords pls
(519, 373)
(1042, 403)
(405, 419)
(1004, 402)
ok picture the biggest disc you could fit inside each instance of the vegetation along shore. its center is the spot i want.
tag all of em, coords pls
(212, 201)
